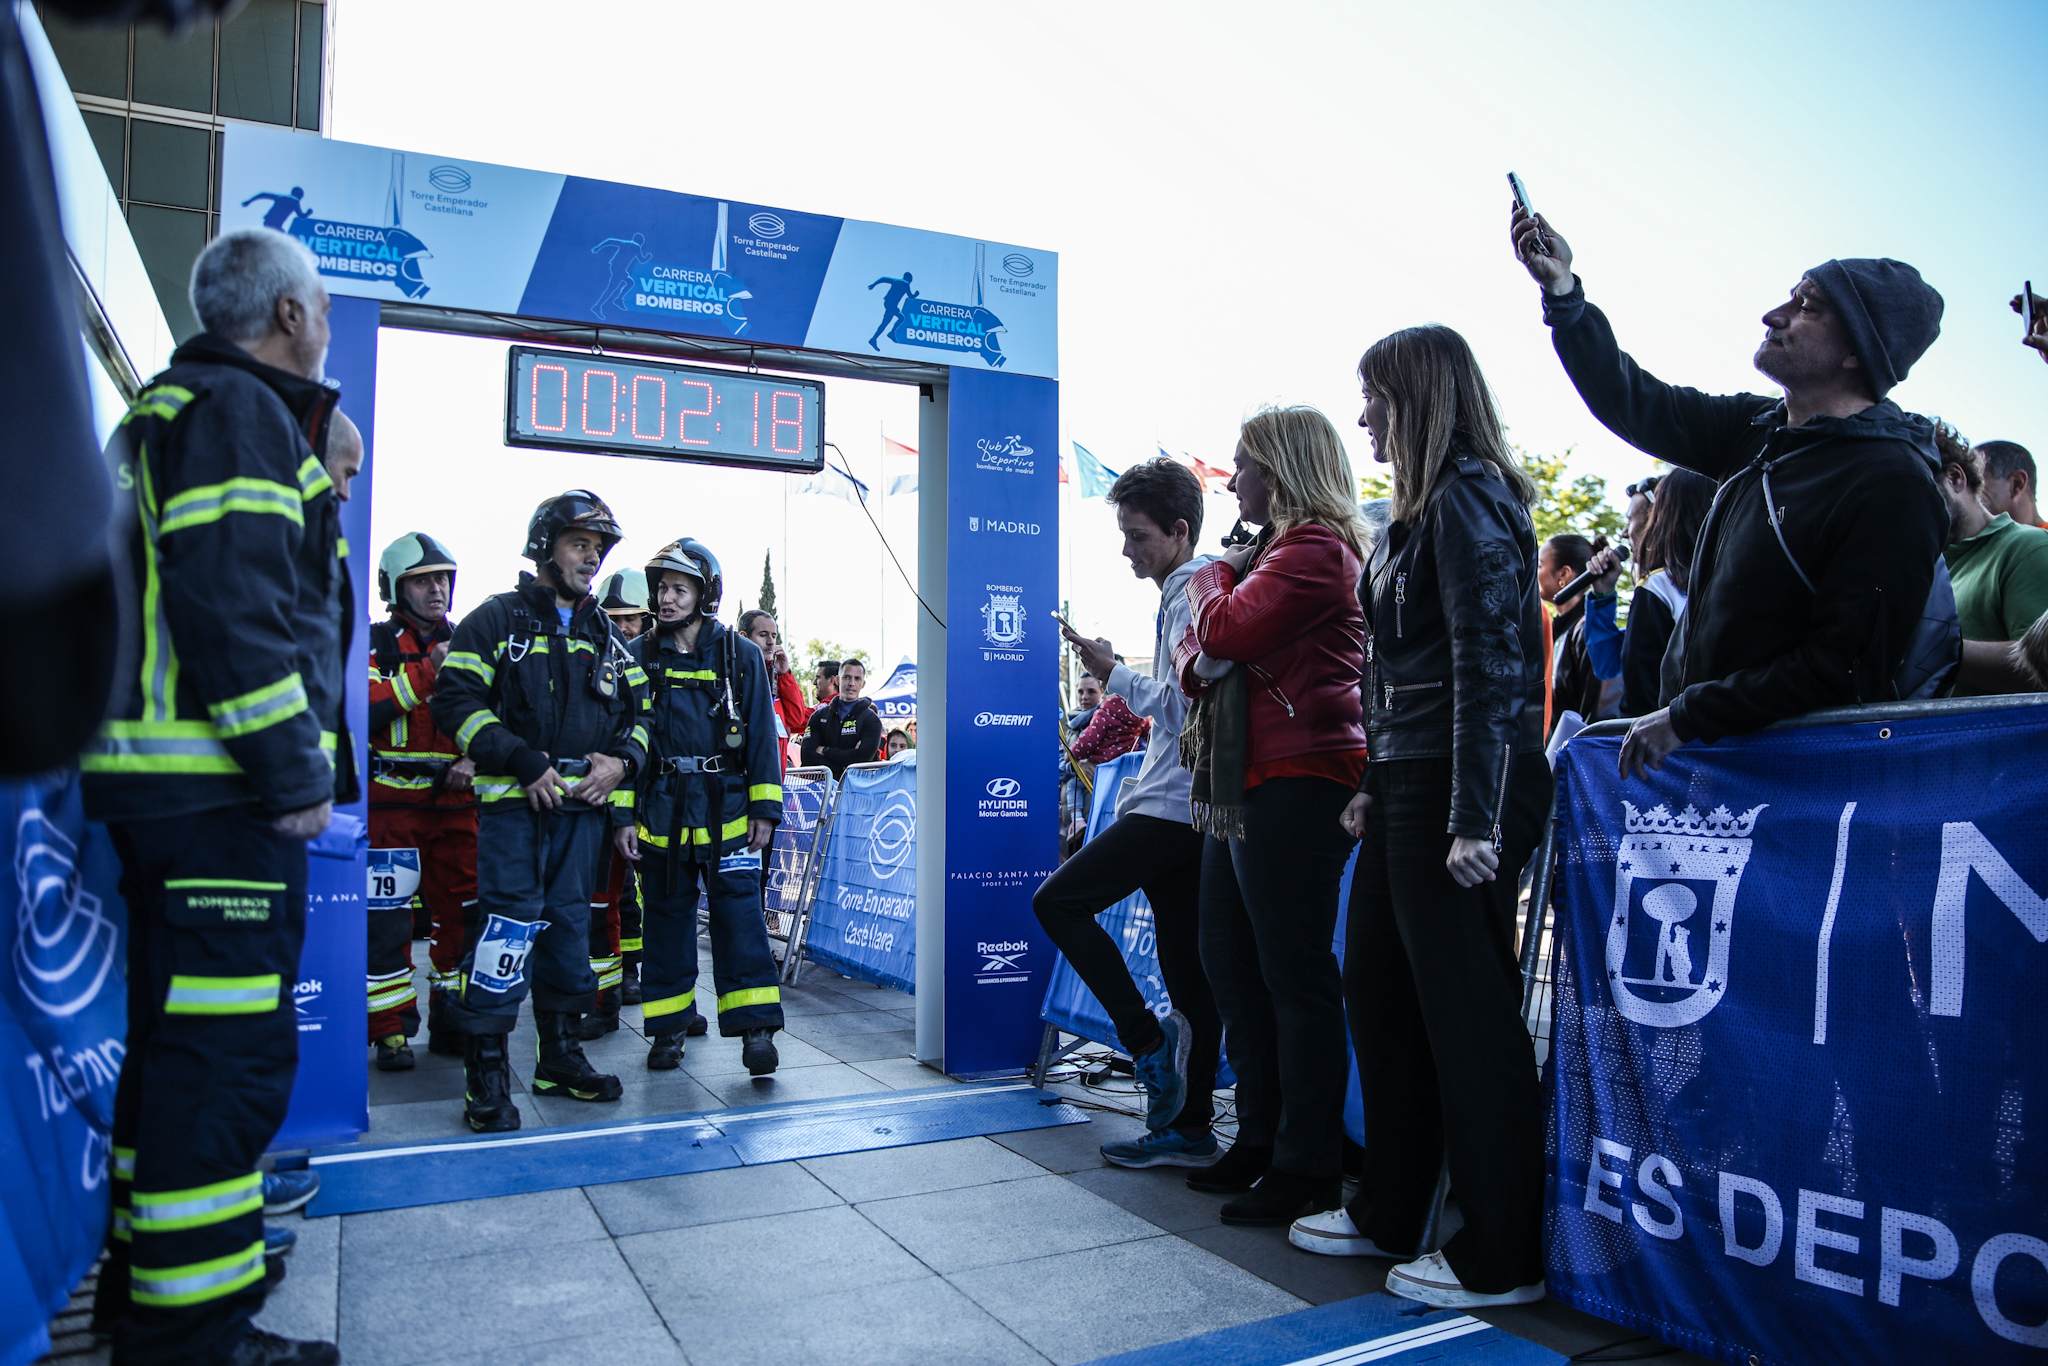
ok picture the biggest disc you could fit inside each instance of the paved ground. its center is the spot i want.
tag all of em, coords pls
(1021, 1248)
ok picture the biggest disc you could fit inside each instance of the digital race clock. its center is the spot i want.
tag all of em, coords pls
(572, 400)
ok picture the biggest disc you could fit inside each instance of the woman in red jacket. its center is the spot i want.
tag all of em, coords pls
(1276, 742)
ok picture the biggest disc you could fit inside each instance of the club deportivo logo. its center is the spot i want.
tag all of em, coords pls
(1667, 965)
(1000, 718)
(63, 940)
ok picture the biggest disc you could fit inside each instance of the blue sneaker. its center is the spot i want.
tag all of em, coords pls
(279, 1241)
(1162, 1148)
(284, 1192)
(1162, 1074)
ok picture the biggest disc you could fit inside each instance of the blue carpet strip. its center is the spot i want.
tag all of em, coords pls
(355, 1178)
(1371, 1328)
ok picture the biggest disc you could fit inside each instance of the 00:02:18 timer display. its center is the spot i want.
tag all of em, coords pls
(572, 401)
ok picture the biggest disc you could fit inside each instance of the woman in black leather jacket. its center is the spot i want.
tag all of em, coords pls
(1452, 806)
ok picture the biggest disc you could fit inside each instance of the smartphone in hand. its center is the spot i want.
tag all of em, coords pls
(1063, 621)
(2027, 309)
(1522, 198)
(1238, 535)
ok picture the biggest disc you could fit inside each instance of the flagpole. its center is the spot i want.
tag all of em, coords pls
(881, 580)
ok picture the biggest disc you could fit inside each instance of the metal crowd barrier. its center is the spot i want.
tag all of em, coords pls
(1539, 945)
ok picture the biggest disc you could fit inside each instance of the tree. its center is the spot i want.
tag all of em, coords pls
(815, 650)
(768, 583)
(1579, 506)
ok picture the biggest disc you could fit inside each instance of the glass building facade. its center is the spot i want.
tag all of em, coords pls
(156, 106)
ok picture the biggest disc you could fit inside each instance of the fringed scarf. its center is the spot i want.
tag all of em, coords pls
(1215, 745)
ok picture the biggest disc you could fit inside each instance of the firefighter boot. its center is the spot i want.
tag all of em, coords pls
(758, 1052)
(605, 1019)
(629, 980)
(695, 1025)
(487, 1077)
(562, 1068)
(664, 1052)
(442, 1037)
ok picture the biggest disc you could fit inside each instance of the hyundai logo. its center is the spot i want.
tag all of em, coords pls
(1018, 264)
(1000, 788)
(449, 179)
(767, 225)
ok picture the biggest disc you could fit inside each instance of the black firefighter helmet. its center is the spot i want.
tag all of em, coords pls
(687, 555)
(577, 507)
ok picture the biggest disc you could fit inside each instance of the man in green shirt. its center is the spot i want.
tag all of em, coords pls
(2000, 572)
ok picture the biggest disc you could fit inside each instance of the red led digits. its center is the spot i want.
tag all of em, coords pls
(661, 407)
(683, 422)
(533, 414)
(776, 422)
(611, 403)
(757, 419)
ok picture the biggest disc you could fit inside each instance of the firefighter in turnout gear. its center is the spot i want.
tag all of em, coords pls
(707, 805)
(422, 804)
(215, 766)
(538, 690)
(615, 911)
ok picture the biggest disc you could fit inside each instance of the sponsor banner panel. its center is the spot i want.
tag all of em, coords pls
(803, 801)
(1002, 693)
(864, 916)
(63, 1034)
(1801, 1060)
(450, 232)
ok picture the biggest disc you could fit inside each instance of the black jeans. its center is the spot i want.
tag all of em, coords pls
(1444, 1061)
(1269, 916)
(1163, 859)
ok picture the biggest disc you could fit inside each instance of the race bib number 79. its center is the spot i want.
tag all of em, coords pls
(394, 878)
(501, 953)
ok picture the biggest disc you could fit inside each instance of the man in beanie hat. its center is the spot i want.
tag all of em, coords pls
(1816, 563)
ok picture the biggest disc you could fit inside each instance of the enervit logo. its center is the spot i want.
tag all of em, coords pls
(63, 940)
(767, 225)
(1002, 787)
(449, 179)
(1001, 718)
(893, 836)
(1018, 264)
(1002, 957)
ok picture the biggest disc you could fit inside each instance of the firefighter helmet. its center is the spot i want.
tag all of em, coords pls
(413, 553)
(690, 556)
(576, 508)
(624, 593)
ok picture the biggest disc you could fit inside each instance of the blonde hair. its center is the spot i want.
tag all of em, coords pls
(1303, 458)
(1437, 402)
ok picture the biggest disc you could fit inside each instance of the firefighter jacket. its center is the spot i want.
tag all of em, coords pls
(409, 756)
(242, 602)
(519, 693)
(713, 760)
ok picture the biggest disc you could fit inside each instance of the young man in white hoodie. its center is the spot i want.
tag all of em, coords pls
(1153, 847)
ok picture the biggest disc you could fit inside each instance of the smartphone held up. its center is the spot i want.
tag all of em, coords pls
(1542, 239)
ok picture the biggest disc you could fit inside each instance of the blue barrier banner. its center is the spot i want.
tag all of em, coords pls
(803, 801)
(1068, 1002)
(1801, 1055)
(63, 1034)
(864, 916)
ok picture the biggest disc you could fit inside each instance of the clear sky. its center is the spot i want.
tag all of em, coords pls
(1243, 198)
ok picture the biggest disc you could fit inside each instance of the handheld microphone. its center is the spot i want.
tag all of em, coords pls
(1584, 581)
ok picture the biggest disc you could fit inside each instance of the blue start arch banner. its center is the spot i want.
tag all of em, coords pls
(864, 913)
(1800, 1088)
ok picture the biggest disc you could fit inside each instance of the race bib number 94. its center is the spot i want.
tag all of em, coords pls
(394, 878)
(501, 953)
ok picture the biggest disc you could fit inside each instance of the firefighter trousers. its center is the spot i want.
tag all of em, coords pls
(743, 969)
(534, 870)
(216, 918)
(444, 837)
(615, 925)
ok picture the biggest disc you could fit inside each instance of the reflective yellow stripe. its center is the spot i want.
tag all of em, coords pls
(169, 1211)
(261, 709)
(668, 1005)
(401, 691)
(476, 722)
(181, 883)
(157, 747)
(124, 1164)
(730, 830)
(765, 792)
(165, 401)
(474, 663)
(638, 735)
(649, 837)
(622, 796)
(581, 645)
(400, 731)
(636, 676)
(393, 997)
(199, 1281)
(122, 1233)
(703, 674)
(313, 480)
(629, 946)
(223, 995)
(210, 502)
(749, 996)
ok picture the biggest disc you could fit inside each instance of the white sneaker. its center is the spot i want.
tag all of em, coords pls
(1430, 1279)
(1332, 1234)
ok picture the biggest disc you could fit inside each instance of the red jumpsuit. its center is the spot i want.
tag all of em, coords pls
(422, 831)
